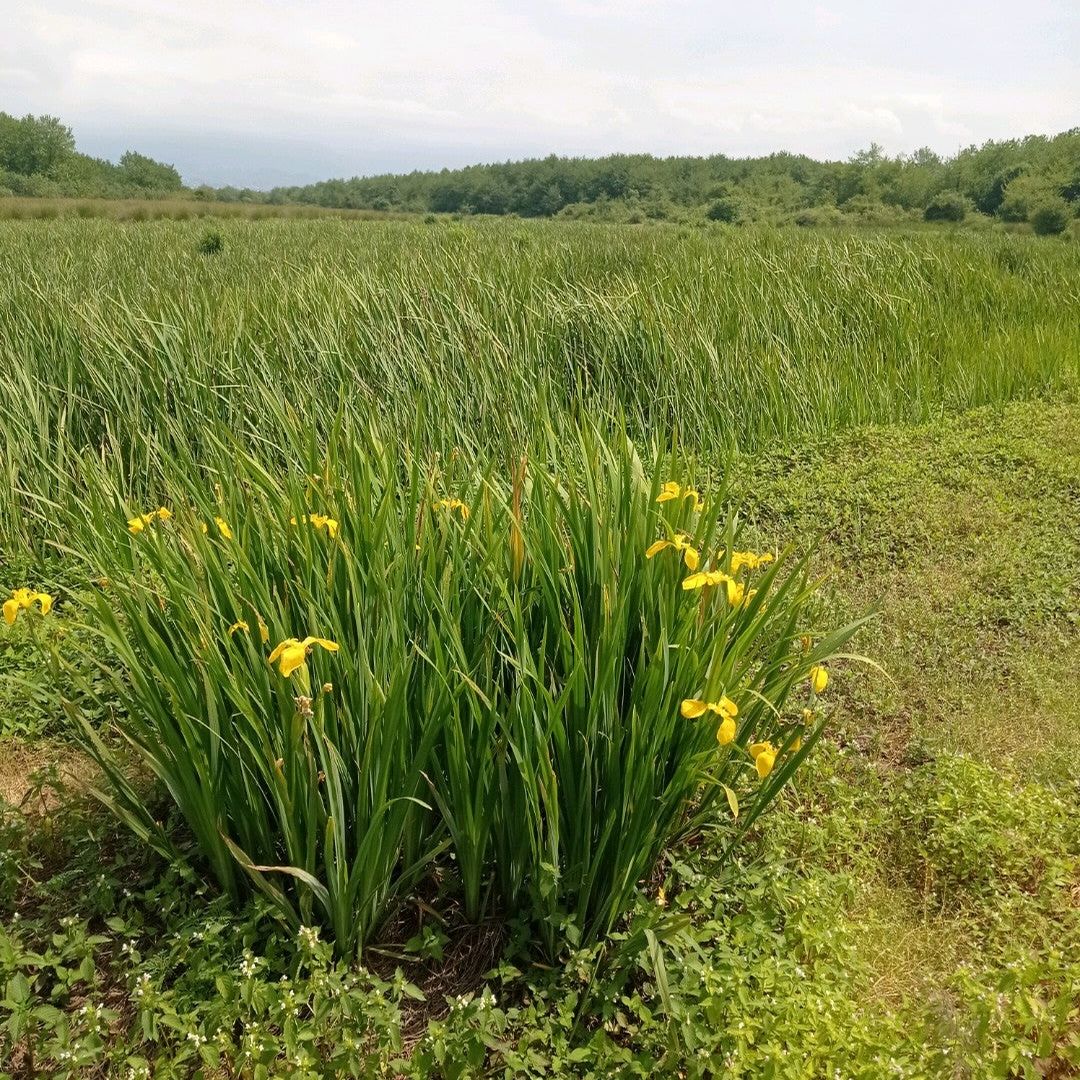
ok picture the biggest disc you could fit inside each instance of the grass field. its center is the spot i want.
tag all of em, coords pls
(507, 853)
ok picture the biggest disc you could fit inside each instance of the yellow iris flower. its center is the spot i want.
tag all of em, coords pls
(819, 678)
(705, 577)
(21, 600)
(264, 634)
(764, 755)
(319, 521)
(451, 505)
(291, 653)
(223, 528)
(736, 590)
(137, 524)
(692, 708)
(680, 543)
(725, 708)
(671, 490)
(749, 559)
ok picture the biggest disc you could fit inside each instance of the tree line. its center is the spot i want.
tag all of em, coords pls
(1012, 180)
(38, 158)
(1035, 179)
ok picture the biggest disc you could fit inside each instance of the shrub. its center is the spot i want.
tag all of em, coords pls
(211, 242)
(503, 669)
(816, 216)
(1050, 217)
(1023, 193)
(867, 210)
(724, 209)
(948, 206)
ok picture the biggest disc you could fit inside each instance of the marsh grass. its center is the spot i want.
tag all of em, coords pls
(19, 208)
(125, 343)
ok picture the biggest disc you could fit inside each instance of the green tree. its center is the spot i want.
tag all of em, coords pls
(145, 172)
(1022, 194)
(34, 145)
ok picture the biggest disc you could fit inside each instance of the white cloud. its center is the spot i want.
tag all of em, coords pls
(377, 84)
(826, 17)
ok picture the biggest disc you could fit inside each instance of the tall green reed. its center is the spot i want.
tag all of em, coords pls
(110, 332)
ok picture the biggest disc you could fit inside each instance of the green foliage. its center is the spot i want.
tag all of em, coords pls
(145, 172)
(1050, 217)
(948, 206)
(38, 158)
(27, 687)
(30, 681)
(1021, 194)
(211, 242)
(765, 188)
(487, 325)
(508, 684)
(869, 211)
(974, 843)
(817, 216)
(34, 145)
(764, 963)
(726, 210)
(901, 910)
(632, 188)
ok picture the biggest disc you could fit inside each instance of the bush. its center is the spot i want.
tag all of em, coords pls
(1022, 195)
(1050, 217)
(816, 216)
(866, 210)
(948, 206)
(211, 242)
(725, 209)
(504, 670)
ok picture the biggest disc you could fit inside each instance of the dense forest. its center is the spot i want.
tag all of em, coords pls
(1035, 179)
(1015, 180)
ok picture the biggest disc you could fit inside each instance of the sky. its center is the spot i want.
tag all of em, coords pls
(291, 91)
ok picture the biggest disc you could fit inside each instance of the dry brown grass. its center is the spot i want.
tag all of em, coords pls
(17, 207)
(24, 781)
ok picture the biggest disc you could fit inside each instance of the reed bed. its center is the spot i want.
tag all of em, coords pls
(731, 339)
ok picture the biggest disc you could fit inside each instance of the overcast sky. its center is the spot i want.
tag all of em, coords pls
(289, 91)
